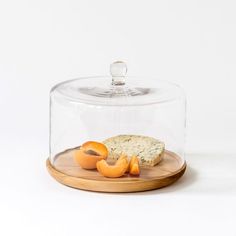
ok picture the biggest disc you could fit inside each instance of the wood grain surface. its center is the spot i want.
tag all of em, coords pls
(67, 172)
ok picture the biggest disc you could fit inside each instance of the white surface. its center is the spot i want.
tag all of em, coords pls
(45, 42)
(201, 203)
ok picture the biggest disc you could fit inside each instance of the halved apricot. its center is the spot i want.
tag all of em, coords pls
(96, 147)
(113, 171)
(134, 168)
(89, 154)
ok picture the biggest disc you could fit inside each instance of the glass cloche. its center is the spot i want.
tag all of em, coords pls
(117, 133)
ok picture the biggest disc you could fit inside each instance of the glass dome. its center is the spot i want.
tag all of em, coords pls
(99, 108)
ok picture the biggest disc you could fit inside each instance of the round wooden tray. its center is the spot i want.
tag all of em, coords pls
(67, 172)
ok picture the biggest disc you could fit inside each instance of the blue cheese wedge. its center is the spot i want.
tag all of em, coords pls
(148, 150)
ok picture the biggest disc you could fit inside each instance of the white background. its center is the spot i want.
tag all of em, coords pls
(192, 43)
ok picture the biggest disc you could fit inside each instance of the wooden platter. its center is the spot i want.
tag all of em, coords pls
(67, 172)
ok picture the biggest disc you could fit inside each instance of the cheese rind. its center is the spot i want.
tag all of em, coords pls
(148, 150)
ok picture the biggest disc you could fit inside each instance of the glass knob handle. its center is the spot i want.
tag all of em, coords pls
(118, 72)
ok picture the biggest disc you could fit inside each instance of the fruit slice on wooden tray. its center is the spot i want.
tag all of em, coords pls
(89, 154)
(122, 157)
(113, 171)
(134, 168)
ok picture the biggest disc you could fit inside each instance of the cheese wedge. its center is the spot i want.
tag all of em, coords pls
(149, 151)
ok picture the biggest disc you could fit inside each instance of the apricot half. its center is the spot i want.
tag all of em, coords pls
(89, 154)
(113, 171)
(134, 168)
(96, 147)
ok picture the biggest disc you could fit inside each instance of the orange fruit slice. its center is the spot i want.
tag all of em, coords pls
(134, 168)
(113, 171)
(89, 154)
